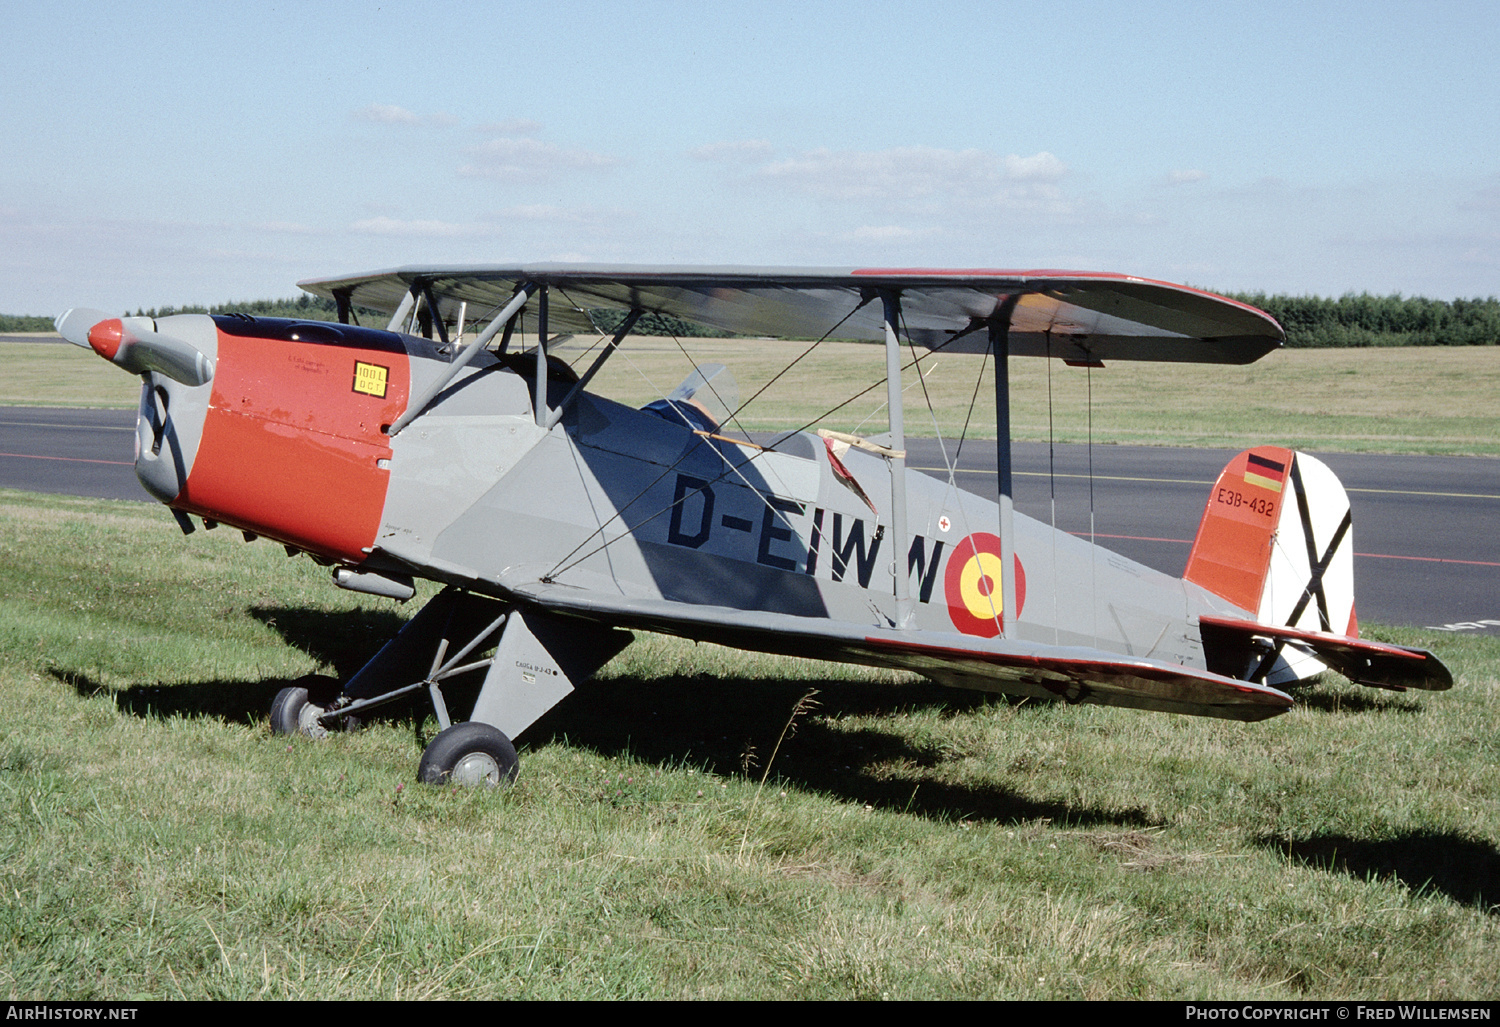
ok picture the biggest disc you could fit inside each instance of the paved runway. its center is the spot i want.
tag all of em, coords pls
(1426, 529)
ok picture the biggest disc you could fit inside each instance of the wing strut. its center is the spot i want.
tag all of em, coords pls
(1000, 345)
(630, 319)
(540, 406)
(434, 317)
(906, 615)
(461, 361)
(402, 309)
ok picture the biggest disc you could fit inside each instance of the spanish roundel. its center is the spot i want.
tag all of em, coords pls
(971, 586)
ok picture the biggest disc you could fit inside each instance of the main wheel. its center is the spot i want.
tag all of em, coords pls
(469, 754)
(293, 714)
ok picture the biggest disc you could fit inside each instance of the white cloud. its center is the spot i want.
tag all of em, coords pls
(1039, 167)
(913, 172)
(493, 224)
(387, 114)
(417, 228)
(887, 233)
(742, 151)
(547, 213)
(1185, 177)
(1485, 199)
(285, 227)
(512, 159)
(512, 127)
(541, 212)
(390, 114)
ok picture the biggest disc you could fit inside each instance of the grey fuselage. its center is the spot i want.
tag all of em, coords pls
(623, 502)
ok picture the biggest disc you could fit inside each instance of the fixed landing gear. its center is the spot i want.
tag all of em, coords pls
(471, 754)
(297, 709)
(537, 658)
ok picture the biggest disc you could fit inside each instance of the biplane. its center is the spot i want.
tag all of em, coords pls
(558, 520)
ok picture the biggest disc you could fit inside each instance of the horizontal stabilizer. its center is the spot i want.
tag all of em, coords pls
(1240, 646)
(1277, 541)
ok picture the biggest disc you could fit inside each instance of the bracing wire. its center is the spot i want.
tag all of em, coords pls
(973, 400)
(563, 564)
(952, 465)
(567, 562)
(732, 415)
(862, 392)
(775, 378)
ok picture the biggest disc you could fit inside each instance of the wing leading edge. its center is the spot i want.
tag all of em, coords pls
(1070, 314)
(1070, 674)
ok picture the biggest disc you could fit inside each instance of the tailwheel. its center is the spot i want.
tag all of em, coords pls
(470, 754)
(296, 709)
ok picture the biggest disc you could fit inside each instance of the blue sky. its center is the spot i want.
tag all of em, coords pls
(190, 153)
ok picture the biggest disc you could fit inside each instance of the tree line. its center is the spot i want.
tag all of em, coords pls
(1310, 321)
(1364, 320)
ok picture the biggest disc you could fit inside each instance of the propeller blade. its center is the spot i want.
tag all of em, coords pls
(74, 324)
(128, 343)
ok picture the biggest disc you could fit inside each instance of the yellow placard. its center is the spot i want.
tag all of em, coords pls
(370, 378)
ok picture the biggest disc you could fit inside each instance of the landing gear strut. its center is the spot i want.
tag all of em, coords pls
(537, 658)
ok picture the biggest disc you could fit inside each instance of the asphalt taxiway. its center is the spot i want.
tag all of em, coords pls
(1426, 529)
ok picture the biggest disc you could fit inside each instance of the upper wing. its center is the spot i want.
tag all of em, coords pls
(1071, 314)
(1072, 674)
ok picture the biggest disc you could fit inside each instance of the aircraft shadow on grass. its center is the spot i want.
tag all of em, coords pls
(344, 640)
(715, 722)
(1311, 696)
(1465, 869)
(731, 725)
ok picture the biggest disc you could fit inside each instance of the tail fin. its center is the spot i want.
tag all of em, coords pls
(1276, 541)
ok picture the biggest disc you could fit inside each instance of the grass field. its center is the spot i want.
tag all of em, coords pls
(672, 837)
(1438, 400)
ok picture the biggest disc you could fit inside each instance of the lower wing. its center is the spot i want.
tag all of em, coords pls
(1071, 674)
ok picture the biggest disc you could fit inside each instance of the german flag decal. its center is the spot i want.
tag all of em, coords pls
(371, 379)
(1268, 474)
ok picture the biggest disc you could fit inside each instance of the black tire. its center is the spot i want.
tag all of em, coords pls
(286, 709)
(471, 754)
(293, 714)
